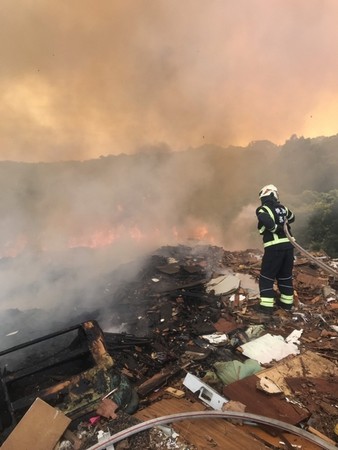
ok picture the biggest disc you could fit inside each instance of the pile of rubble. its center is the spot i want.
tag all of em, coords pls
(192, 343)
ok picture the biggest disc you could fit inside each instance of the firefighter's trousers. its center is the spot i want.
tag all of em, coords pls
(277, 264)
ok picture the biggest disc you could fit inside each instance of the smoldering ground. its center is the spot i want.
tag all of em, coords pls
(67, 227)
(82, 79)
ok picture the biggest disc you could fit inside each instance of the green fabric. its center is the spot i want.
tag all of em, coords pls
(230, 371)
(125, 396)
(210, 378)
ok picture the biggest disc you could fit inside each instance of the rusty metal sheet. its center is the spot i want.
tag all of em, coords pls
(257, 402)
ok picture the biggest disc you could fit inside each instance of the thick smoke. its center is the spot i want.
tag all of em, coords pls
(73, 232)
(68, 226)
(81, 79)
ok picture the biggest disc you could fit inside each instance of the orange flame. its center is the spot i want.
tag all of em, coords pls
(106, 236)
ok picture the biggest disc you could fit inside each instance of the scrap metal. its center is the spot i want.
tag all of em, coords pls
(73, 394)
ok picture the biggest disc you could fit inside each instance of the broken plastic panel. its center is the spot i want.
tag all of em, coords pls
(206, 393)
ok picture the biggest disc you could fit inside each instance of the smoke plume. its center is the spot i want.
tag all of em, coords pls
(81, 79)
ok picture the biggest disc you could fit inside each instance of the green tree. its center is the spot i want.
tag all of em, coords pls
(322, 230)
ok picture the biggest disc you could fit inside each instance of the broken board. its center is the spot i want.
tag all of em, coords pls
(308, 364)
(39, 429)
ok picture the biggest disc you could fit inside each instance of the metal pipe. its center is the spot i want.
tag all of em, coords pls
(214, 415)
(38, 340)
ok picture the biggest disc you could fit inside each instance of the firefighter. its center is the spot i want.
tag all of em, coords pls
(278, 258)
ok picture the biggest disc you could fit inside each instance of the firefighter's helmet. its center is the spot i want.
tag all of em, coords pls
(268, 190)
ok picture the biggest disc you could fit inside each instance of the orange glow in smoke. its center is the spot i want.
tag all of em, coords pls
(96, 239)
(197, 233)
(200, 233)
(12, 249)
(106, 236)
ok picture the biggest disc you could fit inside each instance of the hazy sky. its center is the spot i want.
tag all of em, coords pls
(84, 78)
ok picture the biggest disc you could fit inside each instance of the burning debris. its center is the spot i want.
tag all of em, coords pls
(190, 342)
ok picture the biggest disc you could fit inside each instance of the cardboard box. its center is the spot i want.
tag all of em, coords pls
(39, 429)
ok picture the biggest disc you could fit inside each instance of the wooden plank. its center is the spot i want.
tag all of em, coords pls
(39, 429)
(273, 440)
(157, 380)
(321, 435)
(206, 428)
(309, 364)
(202, 433)
(310, 280)
(326, 386)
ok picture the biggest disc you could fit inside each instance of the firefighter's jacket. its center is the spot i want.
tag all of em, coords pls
(271, 217)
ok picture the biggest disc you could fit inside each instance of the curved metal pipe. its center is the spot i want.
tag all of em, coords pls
(308, 255)
(215, 415)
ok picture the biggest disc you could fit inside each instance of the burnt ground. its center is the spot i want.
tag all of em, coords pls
(172, 306)
(165, 309)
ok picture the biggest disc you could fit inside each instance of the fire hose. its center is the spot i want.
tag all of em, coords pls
(308, 255)
(165, 420)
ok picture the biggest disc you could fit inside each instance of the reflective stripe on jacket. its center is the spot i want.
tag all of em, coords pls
(271, 217)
